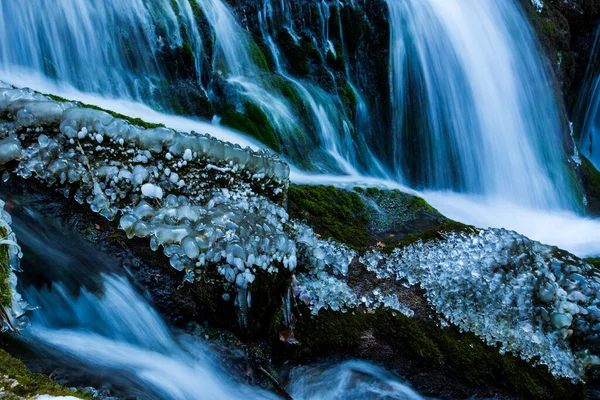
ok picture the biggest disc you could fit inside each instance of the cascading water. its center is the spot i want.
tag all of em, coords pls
(589, 110)
(473, 109)
(352, 380)
(118, 334)
(75, 42)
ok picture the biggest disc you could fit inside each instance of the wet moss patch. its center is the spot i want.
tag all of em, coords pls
(17, 382)
(254, 122)
(331, 212)
(590, 179)
(364, 218)
(422, 348)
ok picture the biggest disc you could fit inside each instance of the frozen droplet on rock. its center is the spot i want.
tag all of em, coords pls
(152, 191)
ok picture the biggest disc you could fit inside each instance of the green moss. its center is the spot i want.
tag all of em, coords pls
(254, 122)
(299, 56)
(592, 178)
(332, 213)
(429, 346)
(348, 96)
(30, 384)
(419, 203)
(336, 62)
(258, 57)
(593, 261)
(266, 134)
(280, 84)
(5, 291)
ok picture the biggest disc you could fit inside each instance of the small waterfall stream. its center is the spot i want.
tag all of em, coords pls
(74, 42)
(481, 102)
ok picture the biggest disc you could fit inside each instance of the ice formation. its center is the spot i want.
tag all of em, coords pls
(530, 299)
(538, 4)
(16, 310)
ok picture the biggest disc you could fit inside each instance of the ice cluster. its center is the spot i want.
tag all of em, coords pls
(319, 289)
(203, 201)
(530, 299)
(538, 4)
(16, 309)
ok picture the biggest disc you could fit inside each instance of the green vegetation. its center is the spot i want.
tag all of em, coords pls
(278, 83)
(5, 291)
(299, 56)
(592, 178)
(593, 261)
(590, 181)
(204, 29)
(258, 57)
(336, 61)
(347, 217)
(429, 347)
(348, 96)
(28, 384)
(254, 122)
(332, 213)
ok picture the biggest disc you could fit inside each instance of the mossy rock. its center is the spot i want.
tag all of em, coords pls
(258, 57)
(331, 212)
(254, 122)
(590, 180)
(28, 384)
(299, 55)
(364, 217)
(348, 96)
(593, 261)
(436, 360)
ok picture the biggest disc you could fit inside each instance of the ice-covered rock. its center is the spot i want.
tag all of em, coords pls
(205, 203)
(530, 299)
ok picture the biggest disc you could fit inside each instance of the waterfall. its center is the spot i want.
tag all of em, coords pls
(75, 41)
(473, 106)
(588, 109)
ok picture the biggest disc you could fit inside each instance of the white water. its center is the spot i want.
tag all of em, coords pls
(565, 229)
(130, 108)
(488, 117)
(94, 327)
(119, 334)
(352, 380)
